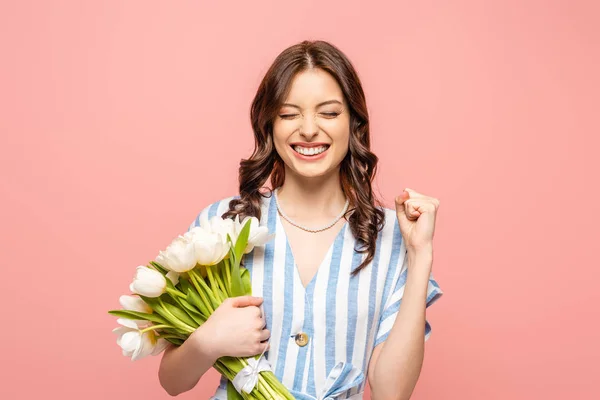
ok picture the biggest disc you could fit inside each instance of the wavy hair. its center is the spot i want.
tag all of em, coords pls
(357, 169)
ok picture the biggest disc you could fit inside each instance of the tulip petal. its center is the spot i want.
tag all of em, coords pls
(127, 323)
(173, 277)
(148, 282)
(145, 347)
(130, 340)
(134, 303)
(161, 345)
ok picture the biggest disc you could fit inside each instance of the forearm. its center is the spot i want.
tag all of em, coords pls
(399, 364)
(182, 367)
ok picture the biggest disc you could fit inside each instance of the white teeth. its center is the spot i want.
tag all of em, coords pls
(311, 151)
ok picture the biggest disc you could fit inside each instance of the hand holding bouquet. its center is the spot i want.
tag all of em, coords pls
(184, 287)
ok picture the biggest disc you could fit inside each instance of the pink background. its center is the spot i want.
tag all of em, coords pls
(121, 120)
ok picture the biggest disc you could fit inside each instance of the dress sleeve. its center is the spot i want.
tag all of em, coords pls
(394, 299)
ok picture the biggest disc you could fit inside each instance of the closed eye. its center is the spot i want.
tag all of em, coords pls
(327, 114)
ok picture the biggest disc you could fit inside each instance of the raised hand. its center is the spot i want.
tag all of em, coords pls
(416, 214)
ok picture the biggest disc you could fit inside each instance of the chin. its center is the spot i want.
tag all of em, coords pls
(314, 172)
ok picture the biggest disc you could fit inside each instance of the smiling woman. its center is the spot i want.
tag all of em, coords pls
(334, 278)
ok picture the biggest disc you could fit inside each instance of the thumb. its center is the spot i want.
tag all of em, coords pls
(400, 202)
(245, 301)
(401, 207)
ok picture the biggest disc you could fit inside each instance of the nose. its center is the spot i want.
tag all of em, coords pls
(308, 127)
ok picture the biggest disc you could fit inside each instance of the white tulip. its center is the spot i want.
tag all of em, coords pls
(160, 259)
(258, 235)
(173, 277)
(134, 303)
(216, 224)
(180, 255)
(148, 282)
(210, 246)
(135, 344)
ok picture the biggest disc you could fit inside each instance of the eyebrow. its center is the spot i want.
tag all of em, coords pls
(318, 105)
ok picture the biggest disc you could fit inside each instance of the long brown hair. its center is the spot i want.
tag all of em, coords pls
(357, 169)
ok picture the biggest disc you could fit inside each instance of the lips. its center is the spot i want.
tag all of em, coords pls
(309, 144)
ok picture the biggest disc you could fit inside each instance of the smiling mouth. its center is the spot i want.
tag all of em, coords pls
(310, 151)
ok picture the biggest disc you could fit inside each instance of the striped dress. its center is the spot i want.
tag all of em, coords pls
(322, 336)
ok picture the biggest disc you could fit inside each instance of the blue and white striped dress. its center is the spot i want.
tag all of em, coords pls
(344, 316)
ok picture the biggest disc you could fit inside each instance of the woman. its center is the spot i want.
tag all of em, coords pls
(327, 289)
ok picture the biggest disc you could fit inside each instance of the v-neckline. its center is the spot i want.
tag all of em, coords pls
(295, 265)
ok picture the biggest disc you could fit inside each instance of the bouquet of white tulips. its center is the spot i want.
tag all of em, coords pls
(181, 288)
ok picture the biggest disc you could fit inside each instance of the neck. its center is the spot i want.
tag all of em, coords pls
(314, 199)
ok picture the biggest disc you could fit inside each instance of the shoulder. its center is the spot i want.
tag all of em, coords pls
(214, 207)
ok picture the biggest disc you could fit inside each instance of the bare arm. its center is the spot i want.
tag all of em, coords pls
(236, 328)
(181, 367)
(396, 364)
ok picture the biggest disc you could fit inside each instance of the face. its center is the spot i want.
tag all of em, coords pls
(312, 129)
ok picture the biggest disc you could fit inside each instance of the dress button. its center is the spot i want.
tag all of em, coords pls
(301, 339)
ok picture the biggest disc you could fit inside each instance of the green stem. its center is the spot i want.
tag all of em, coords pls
(213, 284)
(215, 303)
(277, 385)
(200, 291)
(173, 336)
(228, 273)
(261, 391)
(221, 283)
(268, 387)
(152, 327)
(175, 320)
(176, 293)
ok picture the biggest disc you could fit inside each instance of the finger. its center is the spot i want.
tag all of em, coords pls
(400, 207)
(244, 301)
(411, 209)
(416, 207)
(264, 335)
(263, 316)
(255, 311)
(402, 198)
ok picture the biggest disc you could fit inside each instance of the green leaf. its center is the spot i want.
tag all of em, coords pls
(207, 290)
(194, 298)
(246, 281)
(151, 301)
(169, 283)
(221, 293)
(158, 309)
(181, 315)
(231, 249)
(237, 286)
(170, 332)
(192, 312)
(138, 315)
(175, 341)
(167, 298)
(159, 267)
(242, 241)
(185, 284)
(219, 273)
